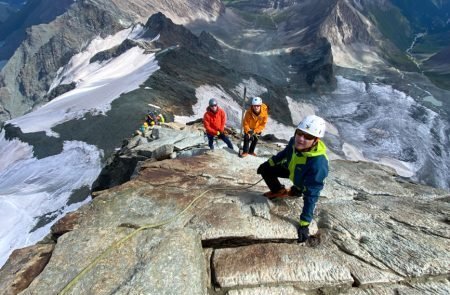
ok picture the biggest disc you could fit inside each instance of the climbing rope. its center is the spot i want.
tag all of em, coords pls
(148, 226)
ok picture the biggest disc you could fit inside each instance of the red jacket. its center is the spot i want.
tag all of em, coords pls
(214, 122)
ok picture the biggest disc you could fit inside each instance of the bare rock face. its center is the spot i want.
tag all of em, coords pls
(23, 266)
(140, 266)
(267, 264)
(200, 225)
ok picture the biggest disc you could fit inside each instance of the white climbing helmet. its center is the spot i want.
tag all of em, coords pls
(313, 125)
(256, 101)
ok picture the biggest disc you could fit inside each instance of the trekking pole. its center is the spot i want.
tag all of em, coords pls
(242, 120)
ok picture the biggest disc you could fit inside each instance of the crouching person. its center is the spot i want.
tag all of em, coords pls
(304, 161)
(214, 121)
(255, 121)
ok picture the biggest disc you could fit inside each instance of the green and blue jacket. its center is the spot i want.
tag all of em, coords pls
(307, 171)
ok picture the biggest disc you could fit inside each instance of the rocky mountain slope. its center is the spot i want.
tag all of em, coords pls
(27, 76)
(199, 225)
(326, 57)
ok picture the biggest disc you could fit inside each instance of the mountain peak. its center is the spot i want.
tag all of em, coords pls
(157, 23)
(171, 34)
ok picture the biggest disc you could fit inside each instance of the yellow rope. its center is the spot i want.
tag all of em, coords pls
(133, 233)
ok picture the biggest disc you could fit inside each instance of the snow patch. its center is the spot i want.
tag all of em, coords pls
(226, 102)
(253, 88)
(12, 151)
(79, 67)
(33, 190)
(390, 128)
(300, 110)
(99, 84)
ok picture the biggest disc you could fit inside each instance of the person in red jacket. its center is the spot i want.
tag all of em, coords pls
(214, 121)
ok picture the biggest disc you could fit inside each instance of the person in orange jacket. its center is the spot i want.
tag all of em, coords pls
(255, 121)
(214, 122)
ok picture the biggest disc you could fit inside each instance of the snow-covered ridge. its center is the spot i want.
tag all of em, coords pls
(97, 84)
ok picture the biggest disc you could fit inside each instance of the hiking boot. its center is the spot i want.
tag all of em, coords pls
(294, 192)
(243, 155)
(282, 193)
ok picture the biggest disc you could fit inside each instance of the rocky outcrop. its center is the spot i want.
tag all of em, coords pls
(359, 38)
(314, 64)
(23, 266)
(199, 225)
(60, 89)
(154, 144)
(33, 13)
(168, 34)
(114, 52)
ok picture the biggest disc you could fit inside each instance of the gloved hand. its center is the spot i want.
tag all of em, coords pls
(303, 233)
(218, 133)
(263, 167)
(250, 132)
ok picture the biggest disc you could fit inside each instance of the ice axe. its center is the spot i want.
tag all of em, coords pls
(242, 120)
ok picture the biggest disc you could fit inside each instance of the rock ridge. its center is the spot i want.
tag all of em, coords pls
(373, 232)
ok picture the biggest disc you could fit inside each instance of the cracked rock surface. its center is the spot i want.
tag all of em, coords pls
(209, 230)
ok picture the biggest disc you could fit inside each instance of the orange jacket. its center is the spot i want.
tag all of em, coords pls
(214, 122)
(256, 122)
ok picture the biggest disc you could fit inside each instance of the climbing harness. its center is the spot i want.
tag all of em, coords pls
(148, 226)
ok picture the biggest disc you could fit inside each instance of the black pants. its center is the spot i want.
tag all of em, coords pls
(270, 175)
(247, 139)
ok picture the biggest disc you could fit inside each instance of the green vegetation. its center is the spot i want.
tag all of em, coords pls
(393, 25)
(432, 43)
(259, 21)
(401, 61)
(440, 80)
(236, 3)
(425, 15)
(281, 16)
(230, 2)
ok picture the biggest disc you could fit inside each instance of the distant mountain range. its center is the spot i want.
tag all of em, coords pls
(293, 50)
(43, 35)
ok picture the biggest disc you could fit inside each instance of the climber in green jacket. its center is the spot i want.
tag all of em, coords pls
(304, 161)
